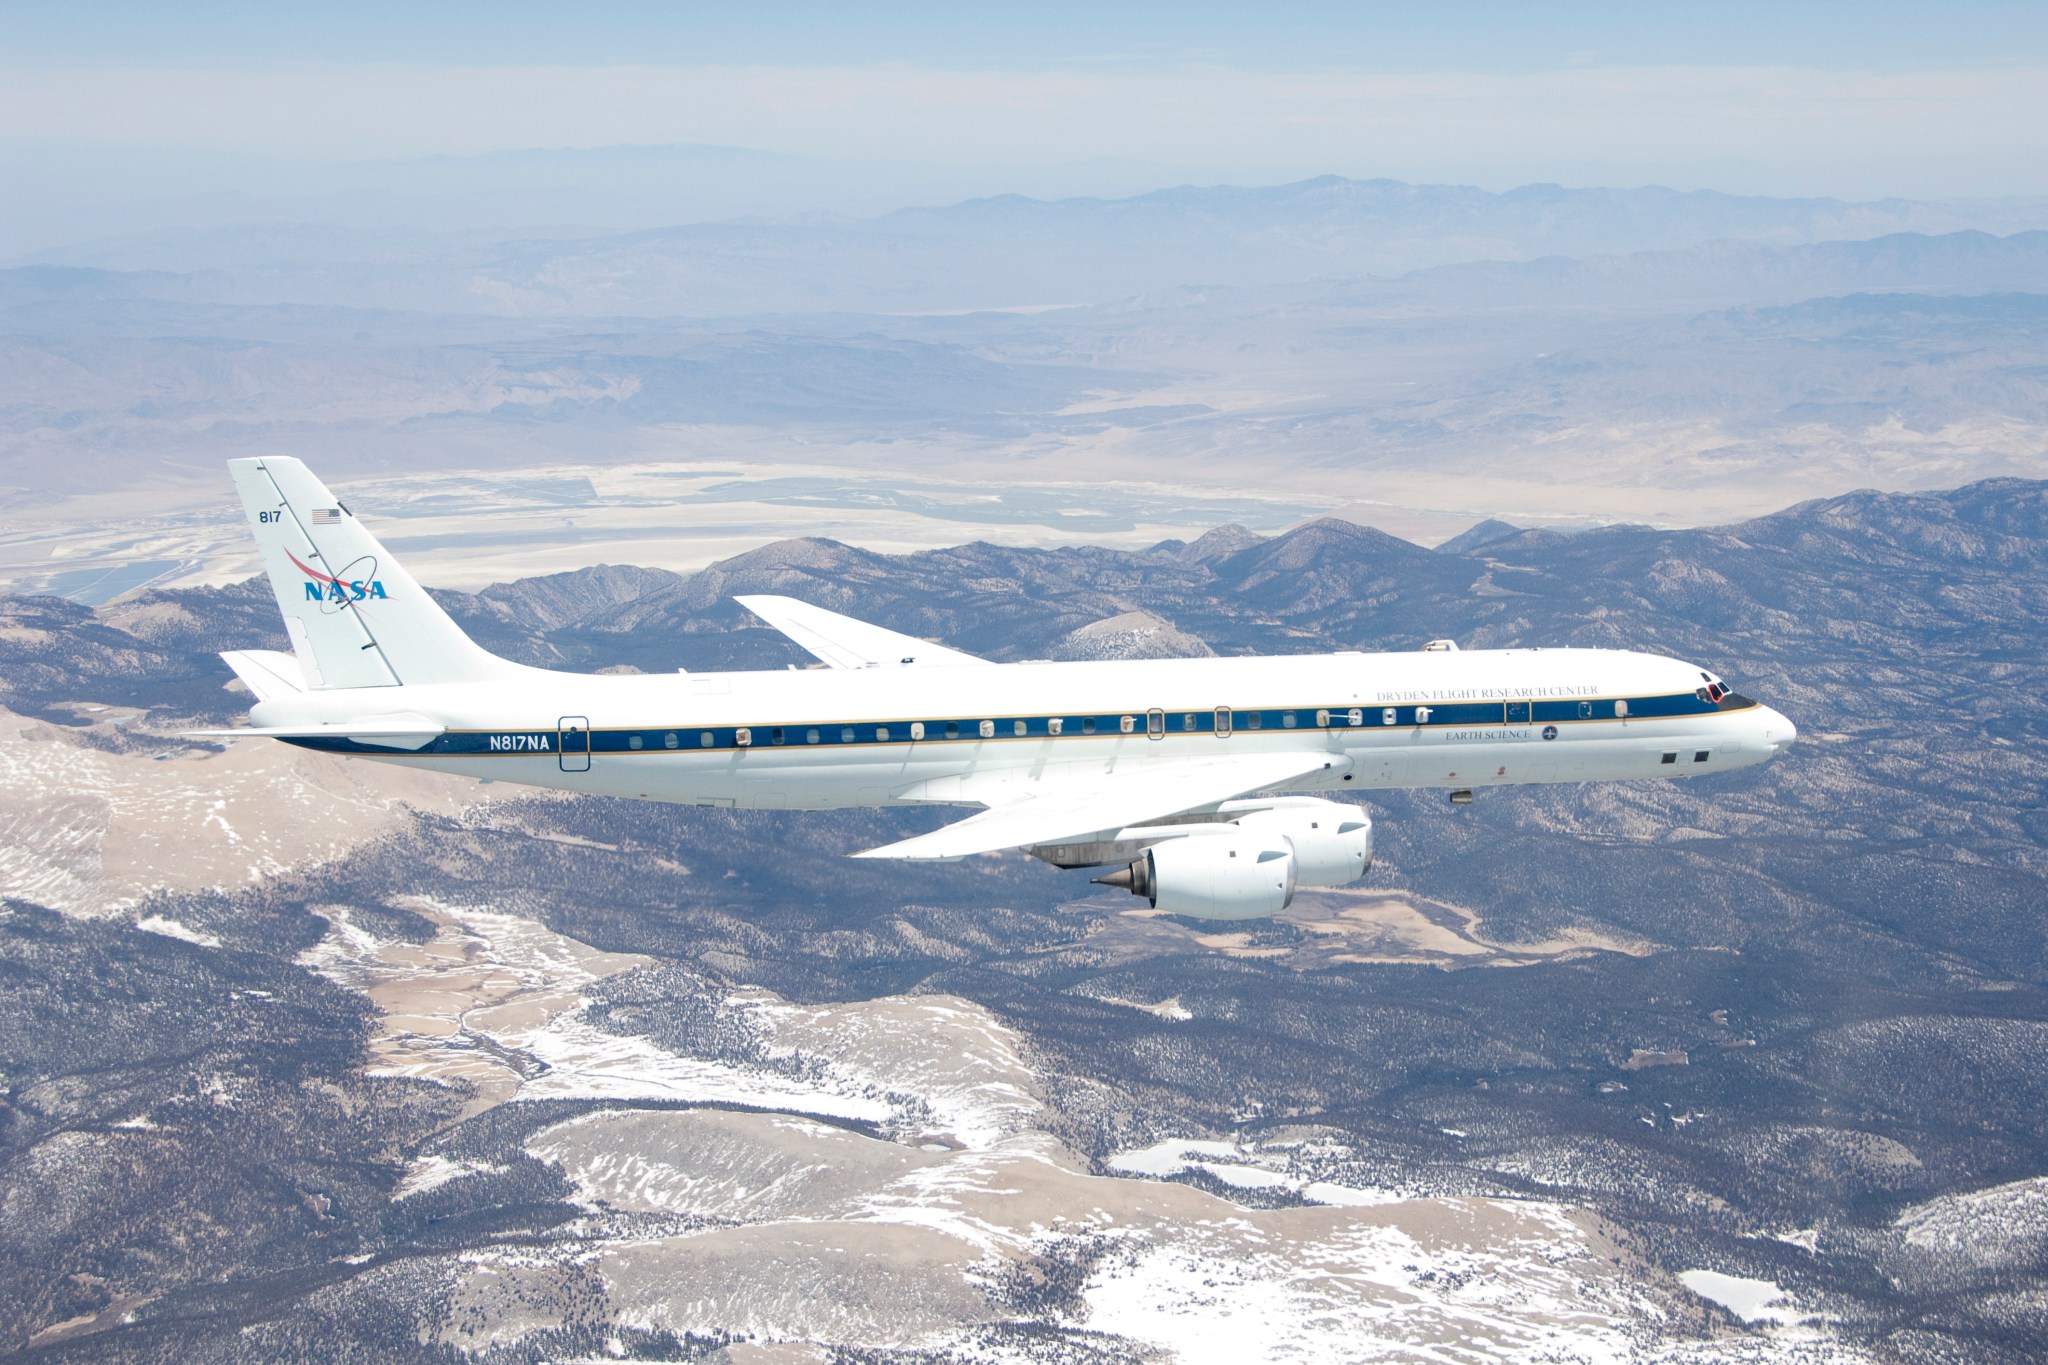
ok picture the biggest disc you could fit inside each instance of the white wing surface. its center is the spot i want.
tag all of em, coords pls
(844, 642)
(400, 730)
(1072, 809)
(267, 673)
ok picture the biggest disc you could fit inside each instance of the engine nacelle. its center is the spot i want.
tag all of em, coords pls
(1332, 841)
(1214, 876)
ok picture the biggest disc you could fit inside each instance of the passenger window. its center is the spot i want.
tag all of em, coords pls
(743, 736)
(1128, 724)
(1255, 720)
(1388, 716)
(705, 739)
(668, 741)
(1054, 725)
(634, 742)
(882, 733)
(810, 736)
(1322, 720)
(775, 735)
(1356, 717)
(846, 734)
(1020, 728)
(1287, 720)
(1621, 708)
(988, 729)
(1087, 725)
(917, 729)
(952, 729)
(1585, 710)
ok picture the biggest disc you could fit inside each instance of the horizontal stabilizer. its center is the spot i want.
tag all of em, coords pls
(844, 642)
(267, 673)
(406, 731)
(1077, 809)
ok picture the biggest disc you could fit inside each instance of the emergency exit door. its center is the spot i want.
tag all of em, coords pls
(574, 745)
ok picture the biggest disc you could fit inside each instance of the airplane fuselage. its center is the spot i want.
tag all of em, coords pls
(882, 735)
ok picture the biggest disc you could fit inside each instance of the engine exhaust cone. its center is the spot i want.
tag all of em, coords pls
(1136, 879)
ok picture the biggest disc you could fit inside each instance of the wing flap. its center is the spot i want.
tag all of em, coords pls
(1072, 811)
(844, 642)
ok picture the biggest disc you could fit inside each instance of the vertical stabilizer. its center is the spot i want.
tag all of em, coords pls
(355, 616)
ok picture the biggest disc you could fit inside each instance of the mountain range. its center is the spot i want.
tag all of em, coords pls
(1781, 1025)
(1755, 370)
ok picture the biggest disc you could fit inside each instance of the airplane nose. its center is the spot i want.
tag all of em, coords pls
(1778, 731)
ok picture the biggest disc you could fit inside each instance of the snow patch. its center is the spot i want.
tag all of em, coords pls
(1349, 1196)
(1246, 1177)
(1966, 1224)
(582, 1062)
(1171, 1157)
(1364, 1292)
(432, 1172)
(1169, 1009)
(1753, 1301)
(948, 1066)
(1243, 1168)
(170, 928)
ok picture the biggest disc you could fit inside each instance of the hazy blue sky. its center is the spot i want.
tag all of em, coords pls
(1409, 37)
(1858, 100)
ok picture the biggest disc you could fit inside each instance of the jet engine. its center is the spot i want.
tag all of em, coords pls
(1213, 876)
(1247, 864)
(1332, 841)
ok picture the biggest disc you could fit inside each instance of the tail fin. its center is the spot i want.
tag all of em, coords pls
(355, 616)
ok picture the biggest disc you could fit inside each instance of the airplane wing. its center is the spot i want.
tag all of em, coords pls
(1072, 809)
(844, 642)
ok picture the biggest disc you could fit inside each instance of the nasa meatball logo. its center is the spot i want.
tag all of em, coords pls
(335, 591)
(1550, 732)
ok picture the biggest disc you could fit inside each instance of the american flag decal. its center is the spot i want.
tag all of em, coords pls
(326, 516)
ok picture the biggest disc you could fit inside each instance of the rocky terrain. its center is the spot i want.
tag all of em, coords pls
(1742, 1068)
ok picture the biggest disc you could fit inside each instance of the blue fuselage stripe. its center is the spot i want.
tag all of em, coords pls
(550, 739)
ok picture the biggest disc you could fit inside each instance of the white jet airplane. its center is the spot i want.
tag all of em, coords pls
(1171, 767)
